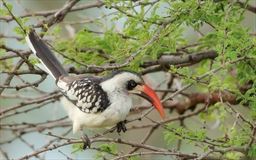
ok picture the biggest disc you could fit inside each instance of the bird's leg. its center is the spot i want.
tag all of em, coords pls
(120, 126)
(86, 140)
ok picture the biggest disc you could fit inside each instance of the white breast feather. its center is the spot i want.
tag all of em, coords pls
(116, 112)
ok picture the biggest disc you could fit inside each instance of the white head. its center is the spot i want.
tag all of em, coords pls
(126, 82)
(121, 81)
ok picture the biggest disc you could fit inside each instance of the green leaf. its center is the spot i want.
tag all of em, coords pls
(9, 6)
(252, 151)
(3, 12)
(233, 155)
(34, 60)
(18, 31)
(169, 137)
(2, 51)
(77, 147)
(109, 148)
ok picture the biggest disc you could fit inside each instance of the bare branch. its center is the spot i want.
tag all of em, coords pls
(247, 6)
(93, 4)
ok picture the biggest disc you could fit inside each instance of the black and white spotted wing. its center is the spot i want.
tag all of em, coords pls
(87, 95)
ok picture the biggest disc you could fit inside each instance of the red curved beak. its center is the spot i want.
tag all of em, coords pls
(154, 99)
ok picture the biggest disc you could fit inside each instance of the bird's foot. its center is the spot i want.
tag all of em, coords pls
(120, 126)
(87, 142)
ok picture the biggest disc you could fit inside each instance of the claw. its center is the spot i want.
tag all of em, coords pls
(87, 142)
(121, 126)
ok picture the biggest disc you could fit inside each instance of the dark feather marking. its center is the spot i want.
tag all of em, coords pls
(90, 86)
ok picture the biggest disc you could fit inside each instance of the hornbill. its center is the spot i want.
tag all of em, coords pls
(90, 101)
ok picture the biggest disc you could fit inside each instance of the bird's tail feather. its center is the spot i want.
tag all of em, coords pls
(45, 55)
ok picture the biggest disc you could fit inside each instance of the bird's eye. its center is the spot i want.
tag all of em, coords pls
(131, 84)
